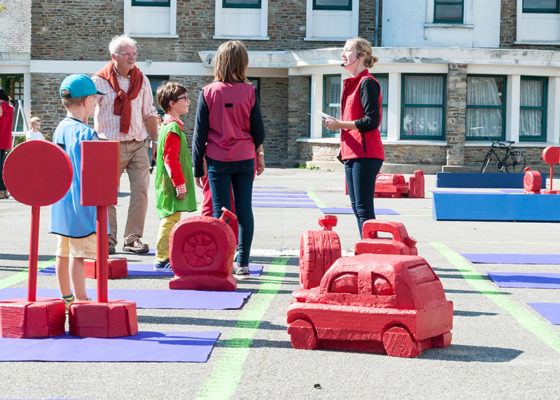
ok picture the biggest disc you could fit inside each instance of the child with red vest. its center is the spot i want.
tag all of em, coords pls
(361, 149)
(174, 179)
(228, 134)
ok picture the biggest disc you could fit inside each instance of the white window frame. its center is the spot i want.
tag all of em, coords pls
(172, 21)
(309, 22)
(218, 30)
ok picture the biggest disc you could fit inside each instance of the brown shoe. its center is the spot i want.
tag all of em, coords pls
(112, 249)
(136, 247)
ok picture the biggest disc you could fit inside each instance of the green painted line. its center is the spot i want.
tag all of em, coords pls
(228, 368)
(316, 199)
(23, 275)
(525, 316)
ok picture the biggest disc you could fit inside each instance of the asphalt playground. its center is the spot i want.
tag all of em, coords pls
(501, 347)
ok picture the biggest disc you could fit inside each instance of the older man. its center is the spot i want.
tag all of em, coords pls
(127, 114)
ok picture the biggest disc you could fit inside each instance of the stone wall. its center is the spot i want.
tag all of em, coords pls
(46, 101)
(455, 114)
(298, 120)
(81, 30)
(15, 26)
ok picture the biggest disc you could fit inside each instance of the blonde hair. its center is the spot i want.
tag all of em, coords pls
(167, 92)
(32, 120)
(363, 46)
(231, 62)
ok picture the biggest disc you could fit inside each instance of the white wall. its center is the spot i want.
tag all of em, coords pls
(409, 23)
(537, 28)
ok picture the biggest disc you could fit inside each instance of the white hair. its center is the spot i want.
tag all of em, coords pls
(119, 41)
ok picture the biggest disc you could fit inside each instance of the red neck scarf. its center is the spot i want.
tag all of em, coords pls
(122, 104)
(170, 118)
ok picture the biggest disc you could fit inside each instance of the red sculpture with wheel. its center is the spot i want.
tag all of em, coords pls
(375, 303)
(395, 185)
(318, 251)
(37, 173)
(201, 253)
(551, 156)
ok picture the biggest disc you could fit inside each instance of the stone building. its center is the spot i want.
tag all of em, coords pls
(454, 74)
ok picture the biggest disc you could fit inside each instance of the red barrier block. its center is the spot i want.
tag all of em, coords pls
(390, 185)
(20, 318)
(112, 319)
(117, 268)
(100, 173)
(317, 252)
(201, 253)
(401, 243)
(374, 303)
(417, 185)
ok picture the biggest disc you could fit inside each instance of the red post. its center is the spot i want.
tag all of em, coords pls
(33, 254)
(102, 253)
(551, 175)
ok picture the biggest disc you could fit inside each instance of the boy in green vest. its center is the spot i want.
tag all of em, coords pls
(174, 176)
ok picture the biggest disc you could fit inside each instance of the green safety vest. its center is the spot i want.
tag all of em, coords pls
(167, 202)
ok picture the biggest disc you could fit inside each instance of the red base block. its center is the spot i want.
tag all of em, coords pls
(112, 319)
(204, 282)
(20, 318)
(117, 268)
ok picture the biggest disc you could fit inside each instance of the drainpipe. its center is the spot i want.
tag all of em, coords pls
(376, 23)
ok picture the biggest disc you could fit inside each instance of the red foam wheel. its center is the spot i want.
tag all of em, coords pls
(202, 245)
(398, 342)
(303, 335)
(532, 181)
(318, 251)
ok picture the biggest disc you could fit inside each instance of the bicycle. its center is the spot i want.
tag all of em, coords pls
(504, 158)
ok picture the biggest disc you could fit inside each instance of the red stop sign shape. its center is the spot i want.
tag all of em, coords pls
(551, 155)
(38, 173)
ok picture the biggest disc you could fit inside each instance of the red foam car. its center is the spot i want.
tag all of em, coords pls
(373, 302)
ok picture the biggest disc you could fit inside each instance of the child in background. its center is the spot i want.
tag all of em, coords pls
(73, 223)
(33, 133)
(174, 178)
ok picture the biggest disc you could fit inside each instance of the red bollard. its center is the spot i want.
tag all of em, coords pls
(201, 253)
(401, 243)
(375, 303)
(551, 156)
(37, 173)
(416, 185)
(104, 317)
(318, 251)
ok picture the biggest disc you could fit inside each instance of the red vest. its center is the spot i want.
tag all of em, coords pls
(353, 143)
(6, 121)
(229, 125)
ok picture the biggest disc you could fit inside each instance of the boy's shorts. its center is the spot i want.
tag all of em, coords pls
(85, 247)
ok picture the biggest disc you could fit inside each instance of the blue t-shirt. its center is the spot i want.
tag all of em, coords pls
(68, 216)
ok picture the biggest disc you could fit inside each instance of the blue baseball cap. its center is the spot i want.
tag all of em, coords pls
(77, 85)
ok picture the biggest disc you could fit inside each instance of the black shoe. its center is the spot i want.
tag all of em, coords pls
(162, 265)
(112, 249)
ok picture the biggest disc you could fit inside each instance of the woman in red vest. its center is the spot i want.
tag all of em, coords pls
(6, 121)
(361, 149)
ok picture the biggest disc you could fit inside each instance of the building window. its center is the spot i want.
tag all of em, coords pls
(332, 86)
(541, 6)
(256, 82)
(448, 11)
(383, 80)
(486, 107)
(155, 82)
(241, 4)
(532, 113)
(423, 107)
(332, 5)
(153, 3)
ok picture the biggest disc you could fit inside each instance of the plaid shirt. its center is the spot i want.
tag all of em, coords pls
(107, 125)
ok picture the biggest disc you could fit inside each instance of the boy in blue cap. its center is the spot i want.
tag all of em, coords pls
(73, 223)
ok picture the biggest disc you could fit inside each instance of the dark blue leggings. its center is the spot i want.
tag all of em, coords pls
(223, 175)
(360, 181)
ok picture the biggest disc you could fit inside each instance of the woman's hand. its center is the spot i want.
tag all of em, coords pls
(199, 181)
(260, 164)
(331, 124)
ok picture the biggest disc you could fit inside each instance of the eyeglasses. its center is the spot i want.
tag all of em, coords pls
(182, 97)
(121, 53)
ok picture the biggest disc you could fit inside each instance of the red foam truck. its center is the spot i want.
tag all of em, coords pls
(373, 302)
